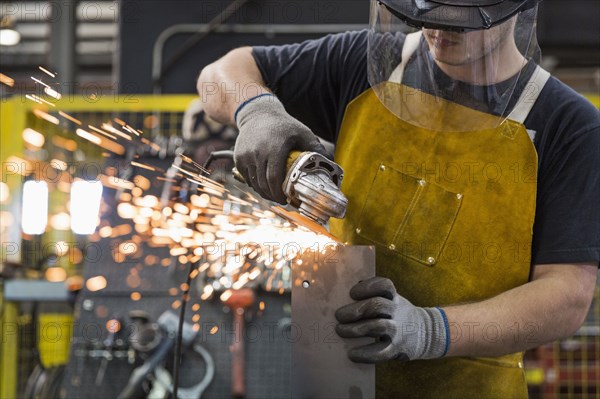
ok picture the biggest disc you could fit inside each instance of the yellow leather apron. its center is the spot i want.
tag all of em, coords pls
(451, 216)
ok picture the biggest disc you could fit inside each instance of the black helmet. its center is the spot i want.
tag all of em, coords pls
(457, 15)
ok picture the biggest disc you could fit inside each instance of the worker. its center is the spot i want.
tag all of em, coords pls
(473, 172)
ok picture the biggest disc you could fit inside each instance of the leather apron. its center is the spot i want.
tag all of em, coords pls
(450, 214)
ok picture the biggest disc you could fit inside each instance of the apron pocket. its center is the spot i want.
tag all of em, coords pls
(408, 215)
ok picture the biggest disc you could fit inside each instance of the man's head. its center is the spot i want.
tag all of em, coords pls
(456, 15)
(470, 52)
(463, 48)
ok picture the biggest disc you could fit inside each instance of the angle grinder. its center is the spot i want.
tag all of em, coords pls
(312, 185)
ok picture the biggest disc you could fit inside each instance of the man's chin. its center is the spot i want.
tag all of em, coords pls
(451, 61)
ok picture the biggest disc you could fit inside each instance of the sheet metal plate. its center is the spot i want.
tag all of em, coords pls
(320, 365)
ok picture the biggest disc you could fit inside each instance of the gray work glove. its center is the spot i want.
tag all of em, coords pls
(404, 332)
(267, 136)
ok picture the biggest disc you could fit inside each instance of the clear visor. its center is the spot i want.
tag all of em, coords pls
(451, 81)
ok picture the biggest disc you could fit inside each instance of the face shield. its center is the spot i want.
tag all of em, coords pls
(446, 66)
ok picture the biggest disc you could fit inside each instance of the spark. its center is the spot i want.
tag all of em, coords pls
(55, 274)
(69, 117)
(178, 251)
(89, 136)
(10, 82)
(101, 142)
(120, 230)
(46, 116)
(116, 182)
(142, 182)
(151, 144)
(105, 231)
(111, 129)
(52, 93)
(47, 72)
(226, 295)
(39, 100)
(236, 239)
(39, 81)
(141, 165)
(113, 326)
(67, 144)
(102, 132)
(136, 296)
(131, 130)
(128, 248)
(47, 89)
(192, 162)
(96, 283)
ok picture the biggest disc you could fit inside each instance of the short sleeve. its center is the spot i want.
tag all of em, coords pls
(567, 224)
(316, 79)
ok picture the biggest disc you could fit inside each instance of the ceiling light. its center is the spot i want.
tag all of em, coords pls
(9, 37)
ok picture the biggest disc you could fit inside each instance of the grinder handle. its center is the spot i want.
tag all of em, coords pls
(292, 158)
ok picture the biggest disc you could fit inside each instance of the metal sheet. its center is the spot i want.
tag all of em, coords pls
(320, 365)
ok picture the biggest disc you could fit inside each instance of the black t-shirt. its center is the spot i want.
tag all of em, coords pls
(317, 79)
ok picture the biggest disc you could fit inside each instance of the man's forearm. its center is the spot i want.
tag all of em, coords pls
(228, 82)
(550, 307)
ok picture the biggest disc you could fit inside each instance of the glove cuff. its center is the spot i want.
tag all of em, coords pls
(264, 102)
(438, 334)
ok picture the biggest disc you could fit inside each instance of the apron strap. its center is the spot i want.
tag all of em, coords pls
(411, 43)
(524, 105)
(529, 96)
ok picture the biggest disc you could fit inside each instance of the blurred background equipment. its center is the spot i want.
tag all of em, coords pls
(78, 280)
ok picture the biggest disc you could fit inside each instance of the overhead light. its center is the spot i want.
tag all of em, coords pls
(8, 35)
(34, 214)
(85, 205)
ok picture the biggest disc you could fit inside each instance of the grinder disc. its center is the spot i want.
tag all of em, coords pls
(303, 221)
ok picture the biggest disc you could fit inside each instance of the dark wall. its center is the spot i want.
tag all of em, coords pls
(568, 30)
(142, 22)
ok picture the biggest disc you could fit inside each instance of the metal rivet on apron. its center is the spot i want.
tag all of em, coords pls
(520, 365)
(423, 183)
(382, 167)
(431, 260)
(358, 231)
(392, 247)
(459, 196)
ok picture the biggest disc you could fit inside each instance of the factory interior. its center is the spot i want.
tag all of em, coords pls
(135, 260)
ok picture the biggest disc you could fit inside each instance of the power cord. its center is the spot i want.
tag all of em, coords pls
(177, 358)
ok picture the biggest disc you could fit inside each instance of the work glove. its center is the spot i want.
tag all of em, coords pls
(404, 332)
(267, 136)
